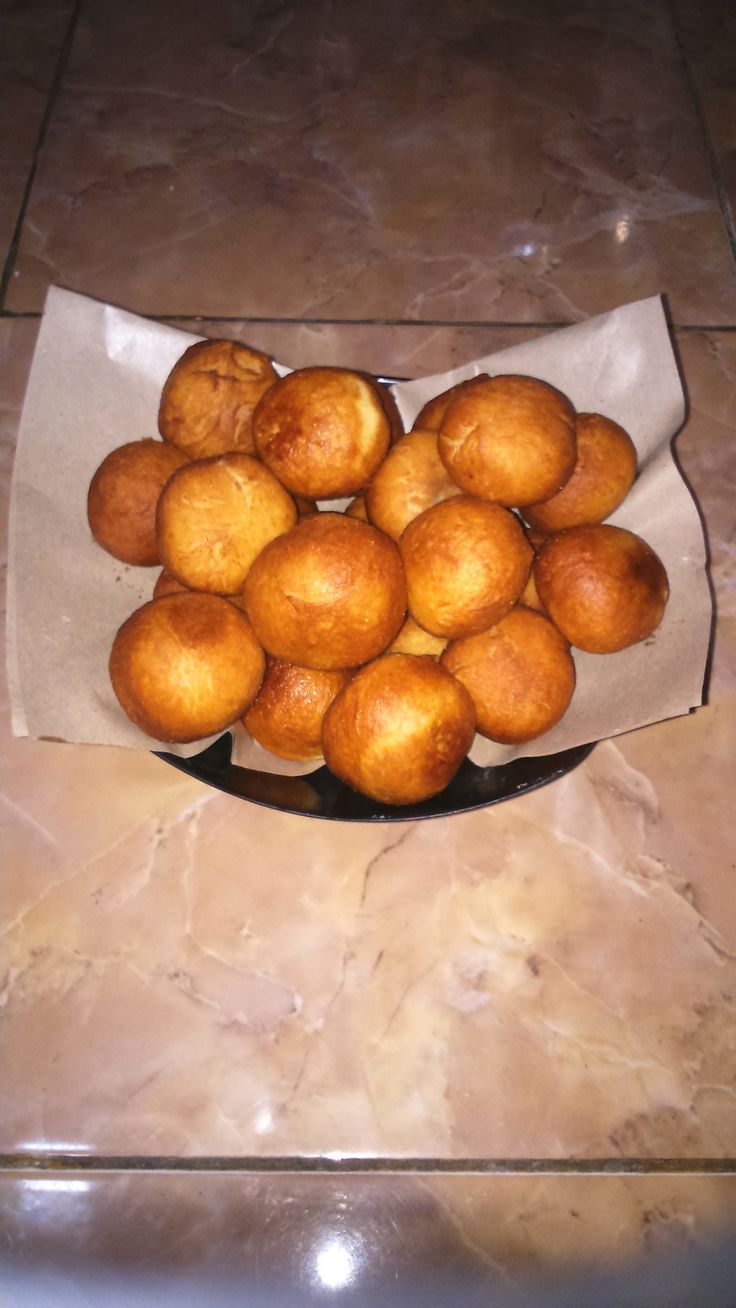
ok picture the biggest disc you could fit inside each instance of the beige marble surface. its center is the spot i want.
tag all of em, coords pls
(377, 150)
(554, 977)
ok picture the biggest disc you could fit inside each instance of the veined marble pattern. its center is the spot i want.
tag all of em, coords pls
(423, 161)
(554, 977)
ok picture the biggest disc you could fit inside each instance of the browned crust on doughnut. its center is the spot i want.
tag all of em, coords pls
(509, 439)
(185, 666)
(356, 509)
(214, 518)
(330, 593)
(322, 431)
(123, 495)
(208, 399)
(413, 639)
(166, 584)
(466, 562)
(604, 472)
(287, 714)
(400, 730)
(430, 416)
(411, 479)
(519, 673)
(603, 586)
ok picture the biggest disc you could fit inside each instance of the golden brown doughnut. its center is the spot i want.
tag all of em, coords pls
(331, 593)
(411, 479)
(399, 730)
(356, 509)
(603, 475)
(430, 417)
(122, 499)
(185, 666)
(215, 517)
(167, 585)
(510, 439)
(413, 639)
(529, 596)
(519, 673)
(466, 562)
(322, 431)
(604, 587)
(287, 714)
(209, 396)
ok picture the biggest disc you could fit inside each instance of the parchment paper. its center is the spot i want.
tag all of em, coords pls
(95, 383)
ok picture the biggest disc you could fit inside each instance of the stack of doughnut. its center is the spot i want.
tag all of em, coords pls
(443, 600)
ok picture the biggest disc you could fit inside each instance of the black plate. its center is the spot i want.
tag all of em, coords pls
(322, 795)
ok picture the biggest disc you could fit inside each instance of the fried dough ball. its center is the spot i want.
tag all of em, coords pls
(122, 499)
(430, 417)
(605, 470)
(185, 666)
(413, 639)
(411, 479)
(530, 595)
(603, 586)
(466, 563)
(167, 585)
(510, 439)
(331, 593)
(215, 517)
(287, 714)
(399, 730)
(322, 431)
(356, 509)
(519, 673)
(209, 396)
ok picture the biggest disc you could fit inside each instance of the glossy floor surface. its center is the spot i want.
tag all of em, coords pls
(549, 984)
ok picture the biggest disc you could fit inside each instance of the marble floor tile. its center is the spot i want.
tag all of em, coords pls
(707, 32)
(529, 1242)
(466, 162)
(186, 974)
(31, 38)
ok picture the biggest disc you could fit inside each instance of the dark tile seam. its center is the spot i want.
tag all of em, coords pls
(344, 1164)
(472, 323)
(724, 205)
(53, 94)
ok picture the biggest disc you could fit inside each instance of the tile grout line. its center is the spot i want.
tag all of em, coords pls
(469, 323)
(52, 97)
(345, 1165)
(724, 205)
